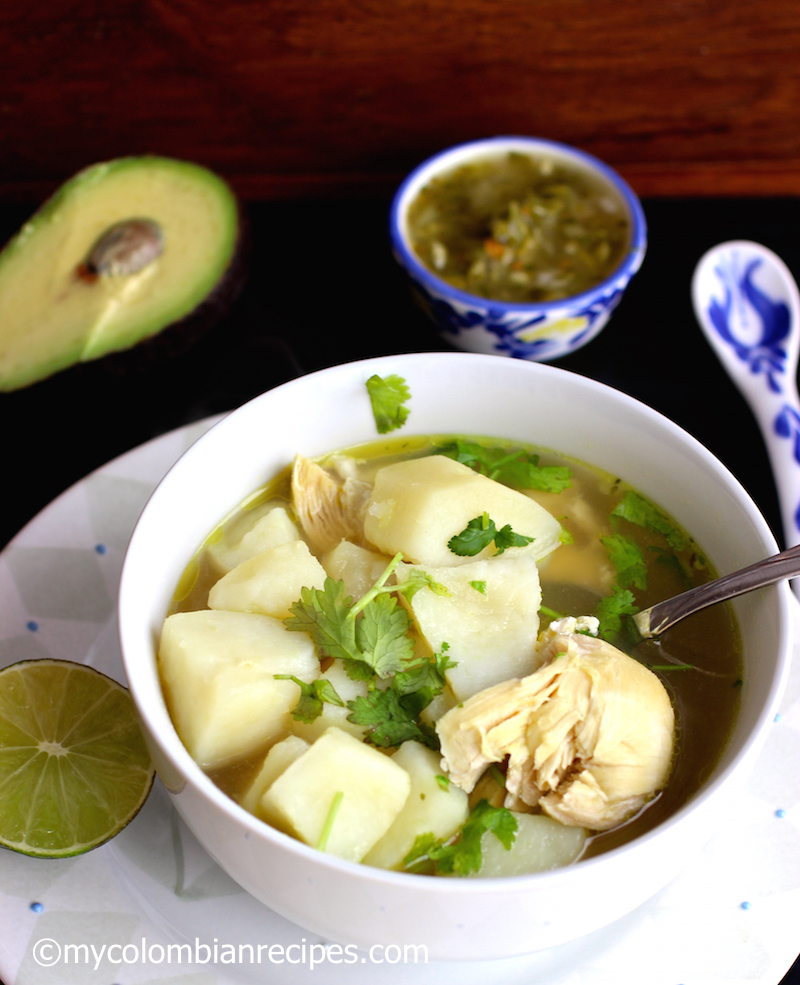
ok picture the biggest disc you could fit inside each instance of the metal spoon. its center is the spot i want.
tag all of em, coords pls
(748, 306)
(658, 618)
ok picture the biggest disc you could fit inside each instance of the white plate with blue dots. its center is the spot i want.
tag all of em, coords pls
(151, 906)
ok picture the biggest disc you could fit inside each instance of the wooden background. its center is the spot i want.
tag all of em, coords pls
(321, 97)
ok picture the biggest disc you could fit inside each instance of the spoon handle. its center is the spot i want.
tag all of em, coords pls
(747, 304)
(781, 431)
(658, 618)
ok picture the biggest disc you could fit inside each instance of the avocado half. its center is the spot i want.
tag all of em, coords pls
(120, 252)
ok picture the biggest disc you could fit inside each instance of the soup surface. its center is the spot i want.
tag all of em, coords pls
(616, 553)
(519, 229)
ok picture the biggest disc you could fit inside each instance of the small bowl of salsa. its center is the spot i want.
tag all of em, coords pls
(517, 246)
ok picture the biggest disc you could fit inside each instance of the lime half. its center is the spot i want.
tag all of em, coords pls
(74, 768)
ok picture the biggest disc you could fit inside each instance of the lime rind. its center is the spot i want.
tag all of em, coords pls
(74, 768)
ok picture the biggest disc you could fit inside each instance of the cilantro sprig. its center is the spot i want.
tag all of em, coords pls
(370, 636)
(629, 562)
(631, 572)
(464, 854)
(388, 396)
(480, 532)
(518, 469)
(391, 715)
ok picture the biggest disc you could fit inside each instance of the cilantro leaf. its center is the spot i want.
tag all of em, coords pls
(505, 537)
(480, 532)
(529, 474)
(312, 697)
(464, 855)
(323, 614)
(390, 719)
(427, 674)
(388, 397)
(382, 636)
(477, 535)
(611, 610)
(628, 560)
(357, 670)
(636, 509)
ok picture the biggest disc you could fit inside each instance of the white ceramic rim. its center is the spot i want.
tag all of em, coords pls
(447, 159)
(152, 709)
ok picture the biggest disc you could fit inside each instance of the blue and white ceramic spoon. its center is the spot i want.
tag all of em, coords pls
(748, 306)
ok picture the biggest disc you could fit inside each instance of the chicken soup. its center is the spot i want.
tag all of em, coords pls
(418, 655)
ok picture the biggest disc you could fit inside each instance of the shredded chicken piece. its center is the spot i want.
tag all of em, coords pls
(589, 735)
(328, 511)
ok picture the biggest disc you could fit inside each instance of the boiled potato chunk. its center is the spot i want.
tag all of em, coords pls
(541, 844)
(418, 505)
(275, 762)
(431, 807)
(357, 567)
(218, 671)
(347, 690)
(256, 530)
(373, 788)
(269, 583)
(490, 619)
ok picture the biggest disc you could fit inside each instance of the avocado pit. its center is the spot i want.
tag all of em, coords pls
(125, 248)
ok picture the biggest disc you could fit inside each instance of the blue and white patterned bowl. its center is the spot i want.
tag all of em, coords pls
(537, 331)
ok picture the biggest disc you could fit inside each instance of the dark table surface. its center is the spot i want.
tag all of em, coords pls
(323, 289)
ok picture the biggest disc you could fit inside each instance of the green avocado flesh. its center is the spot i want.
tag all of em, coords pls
(53, 314)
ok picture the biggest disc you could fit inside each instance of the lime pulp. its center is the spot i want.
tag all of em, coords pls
(74, 768)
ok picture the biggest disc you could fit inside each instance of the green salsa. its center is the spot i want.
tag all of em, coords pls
(519, 228)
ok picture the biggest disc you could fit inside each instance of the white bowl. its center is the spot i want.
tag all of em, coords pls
(539, 331)
(469, 394)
